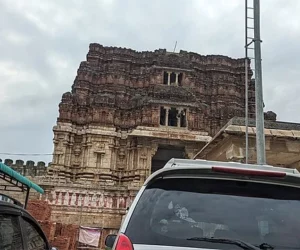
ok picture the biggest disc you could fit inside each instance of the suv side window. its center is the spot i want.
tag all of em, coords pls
(10, 233)
(34, 238)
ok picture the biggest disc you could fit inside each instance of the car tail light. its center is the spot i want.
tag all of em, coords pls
(124, 243)
(249, 172)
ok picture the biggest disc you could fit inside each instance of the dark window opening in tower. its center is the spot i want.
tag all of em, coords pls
(172, 119)
(183, 118)
(180, 79)
(173, 78)
(162, 116)
(166, 78)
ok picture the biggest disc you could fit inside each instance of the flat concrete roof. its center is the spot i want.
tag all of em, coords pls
(236, 126)
(268, 124)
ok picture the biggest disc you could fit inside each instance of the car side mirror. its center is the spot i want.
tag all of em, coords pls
(110, 240)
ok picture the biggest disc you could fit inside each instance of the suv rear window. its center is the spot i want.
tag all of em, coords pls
(172, 210)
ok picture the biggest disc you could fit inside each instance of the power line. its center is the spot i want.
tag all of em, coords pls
(35, 154)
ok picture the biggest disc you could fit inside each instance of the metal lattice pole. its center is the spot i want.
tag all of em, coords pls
(246, 81)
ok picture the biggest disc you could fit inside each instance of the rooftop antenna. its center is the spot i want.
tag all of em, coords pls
(175, 46)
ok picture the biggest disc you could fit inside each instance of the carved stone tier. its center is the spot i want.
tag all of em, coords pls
(110, 157)
(123, 89)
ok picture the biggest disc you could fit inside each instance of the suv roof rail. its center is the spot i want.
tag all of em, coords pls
(174, 162)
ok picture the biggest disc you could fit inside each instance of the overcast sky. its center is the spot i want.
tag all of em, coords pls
(43, 42)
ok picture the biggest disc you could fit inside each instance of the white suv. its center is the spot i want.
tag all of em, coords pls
(197, 204)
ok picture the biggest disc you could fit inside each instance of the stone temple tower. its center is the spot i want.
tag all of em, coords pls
(127, 114)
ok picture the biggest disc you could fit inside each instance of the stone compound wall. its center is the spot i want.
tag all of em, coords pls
(89, 206)
(29, 168)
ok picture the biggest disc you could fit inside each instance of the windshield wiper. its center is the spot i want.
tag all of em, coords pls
(265, 246)
(241, 244)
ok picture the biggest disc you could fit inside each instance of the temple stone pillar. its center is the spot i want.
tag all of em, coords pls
(176, 80)
(169, 77)
(167, 116)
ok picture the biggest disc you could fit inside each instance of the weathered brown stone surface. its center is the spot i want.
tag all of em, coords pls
(123, 88)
